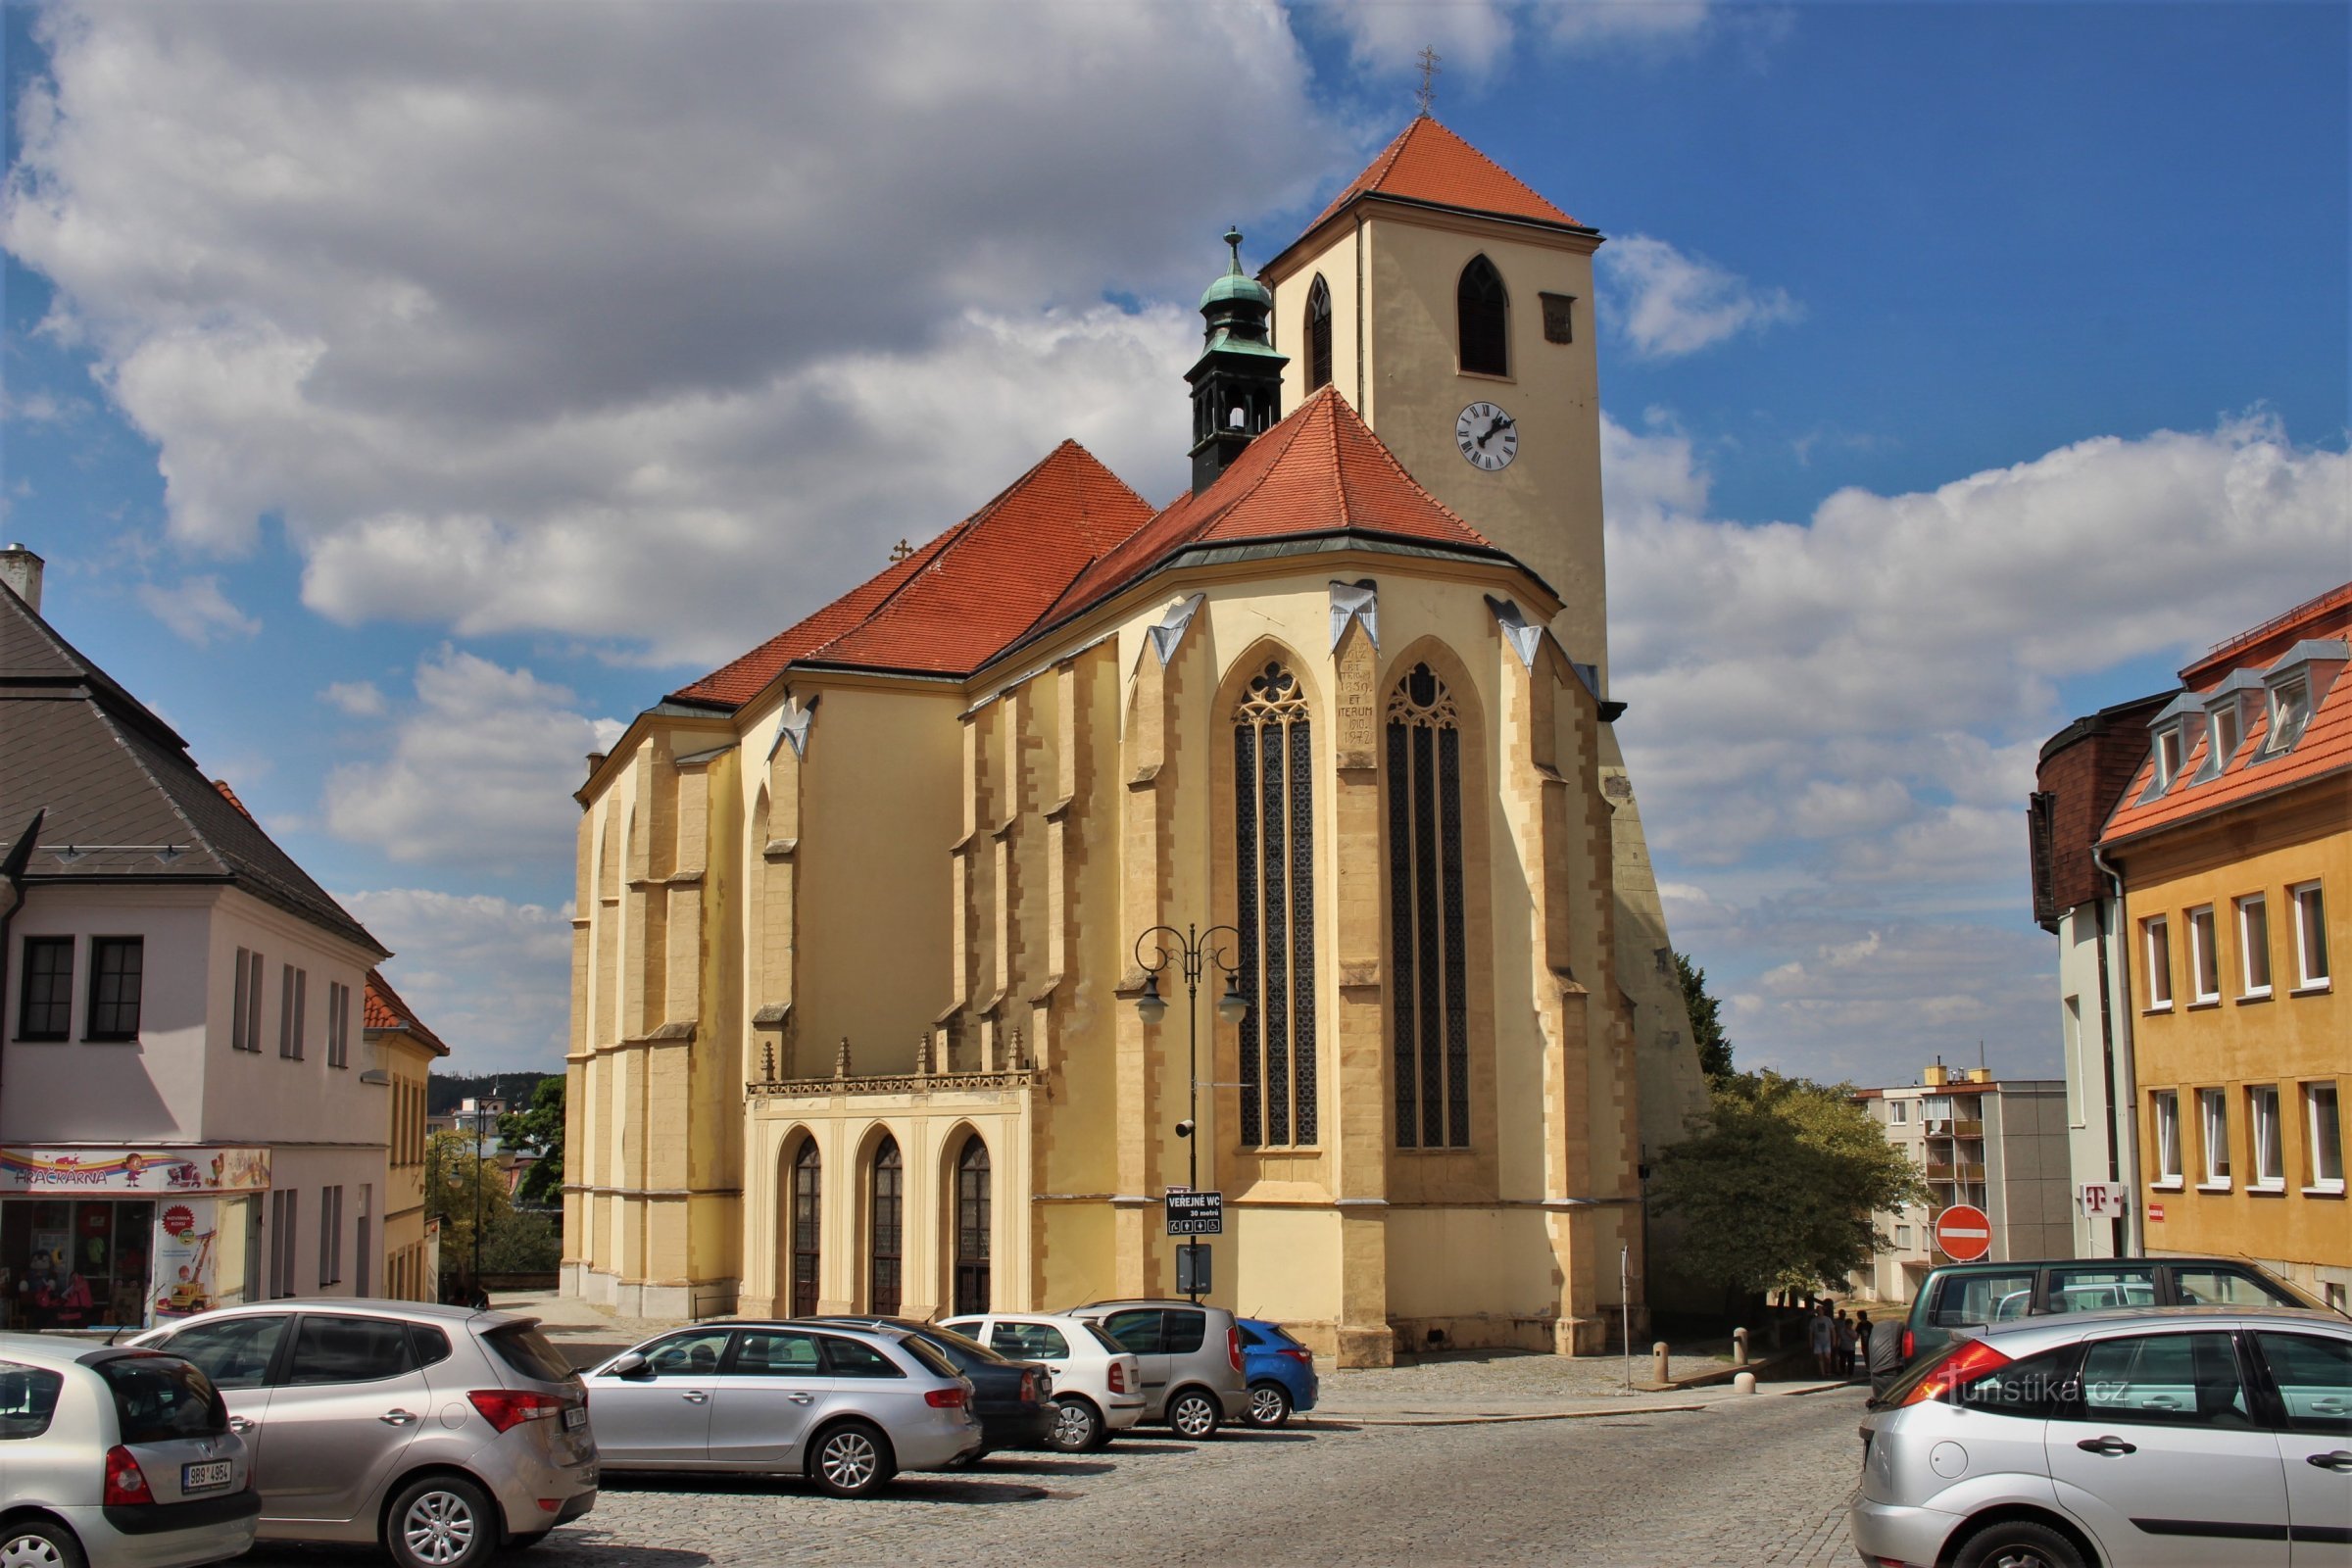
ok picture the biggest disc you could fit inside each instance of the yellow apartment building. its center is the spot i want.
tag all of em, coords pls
(2234, 847)
(406, 1050)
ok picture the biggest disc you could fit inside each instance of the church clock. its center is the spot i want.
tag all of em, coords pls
(1488, 436)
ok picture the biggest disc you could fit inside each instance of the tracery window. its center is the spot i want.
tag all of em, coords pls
(971, 1227)
(1273, 797)
(886, 1271)
(1318, 334)
(807, 1175)
(1427, 963)
(1481, 316)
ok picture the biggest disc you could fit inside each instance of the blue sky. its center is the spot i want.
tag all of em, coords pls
(402, 395)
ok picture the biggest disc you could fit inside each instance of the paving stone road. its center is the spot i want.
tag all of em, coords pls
(1736, 1484)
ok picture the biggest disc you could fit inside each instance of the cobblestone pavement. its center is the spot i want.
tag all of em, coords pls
(1761, 1480)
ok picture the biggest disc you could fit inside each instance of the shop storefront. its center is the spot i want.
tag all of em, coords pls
(124, 1238)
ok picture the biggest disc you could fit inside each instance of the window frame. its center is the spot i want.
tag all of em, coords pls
(2265, 1130)
(1430, 986)
(58, 991)
(245, 1001)
(338, 1024)
(2213, 1117)
(1278, 1046)
(1463, 323)
(131, 982)
(2164, 1136)
(2156, 941)
(2284, 719)
(2323, 1137)
(2204, 956)
(1318, 334)
(2253, 921)
(294, 987)
(2312, 968)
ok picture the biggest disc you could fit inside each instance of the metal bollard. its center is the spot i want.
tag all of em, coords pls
(1739, 1346)
(1657, 1362)
(1743, 1383)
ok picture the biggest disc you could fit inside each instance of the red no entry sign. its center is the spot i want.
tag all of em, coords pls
(1964, 1233)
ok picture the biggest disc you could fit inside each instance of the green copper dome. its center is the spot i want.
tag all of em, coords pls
(1236, 285)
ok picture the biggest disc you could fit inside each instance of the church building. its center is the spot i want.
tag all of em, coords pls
(1276, 844)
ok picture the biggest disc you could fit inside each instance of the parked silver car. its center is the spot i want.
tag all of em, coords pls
(2194, 1437)
(442, 1432)
(846, 1407)
(1190, 1356)
(115, 1458)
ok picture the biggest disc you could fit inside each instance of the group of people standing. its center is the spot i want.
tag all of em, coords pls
(1840, 1343)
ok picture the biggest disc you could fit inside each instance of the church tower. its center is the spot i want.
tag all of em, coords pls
(1237, 384)
(1452, 306)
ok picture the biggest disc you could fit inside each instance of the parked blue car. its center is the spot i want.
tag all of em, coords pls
(1280, 1372)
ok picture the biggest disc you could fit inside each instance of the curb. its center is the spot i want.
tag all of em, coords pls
(1335, 1418)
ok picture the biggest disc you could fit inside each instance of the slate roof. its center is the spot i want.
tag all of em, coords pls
(2322, 753)
(1427, 162)
(107, 771)
(384, 1012)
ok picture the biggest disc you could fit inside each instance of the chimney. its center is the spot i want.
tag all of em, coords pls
(21, 570)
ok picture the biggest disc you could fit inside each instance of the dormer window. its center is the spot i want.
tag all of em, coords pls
(2290, 710)
(2293, 689)
(2168, 758)
(2173, 734)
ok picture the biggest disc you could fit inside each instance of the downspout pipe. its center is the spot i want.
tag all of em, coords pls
(2123, 1114)
(12, 898)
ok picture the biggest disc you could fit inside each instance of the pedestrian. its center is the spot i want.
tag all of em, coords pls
(1825, 1341)
(1845, 1344)
(1862, 1339)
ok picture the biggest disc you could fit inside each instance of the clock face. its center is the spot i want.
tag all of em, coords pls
(1486, 435)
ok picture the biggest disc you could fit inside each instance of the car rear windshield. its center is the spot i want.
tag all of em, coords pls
(1104, 1338)
(27, 1399)
(160, 1398)
(528, 1351)
(958, 1348)
(923, 1350)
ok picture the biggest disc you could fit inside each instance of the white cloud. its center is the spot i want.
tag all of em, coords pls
(1474, 35)
(521, 325)
(198, 609)
(479, 772)
(1667, 304)
(492, 978)
(359, 698)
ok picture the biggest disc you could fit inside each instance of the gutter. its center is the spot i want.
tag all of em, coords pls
(2129, 1124)
(12, 898)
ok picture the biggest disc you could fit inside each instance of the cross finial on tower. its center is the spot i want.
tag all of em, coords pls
(1233, 237)
(1426, 94)
(900, 550)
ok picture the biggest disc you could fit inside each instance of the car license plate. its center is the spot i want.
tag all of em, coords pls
(575, 1418)
(208, 1476)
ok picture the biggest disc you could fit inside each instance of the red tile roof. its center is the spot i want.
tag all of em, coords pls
(1319, 472)
(1427, 163)
(230, 795)
(2322, 750)
(964, 594)
(384, 1010)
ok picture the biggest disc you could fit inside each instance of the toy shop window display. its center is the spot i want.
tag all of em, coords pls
(74, 1264)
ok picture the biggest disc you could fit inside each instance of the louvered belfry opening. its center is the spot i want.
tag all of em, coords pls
(1273, 797)
(1428, 948)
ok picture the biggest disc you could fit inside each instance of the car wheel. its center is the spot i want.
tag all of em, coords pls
(1270, 1405)
(851, 1460)
(2018, 1544)
(1077, 1426)
(441, 1522)
(38, 1543)
(1194, 1414)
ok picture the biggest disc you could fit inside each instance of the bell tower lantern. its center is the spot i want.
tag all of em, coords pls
(1237, 384)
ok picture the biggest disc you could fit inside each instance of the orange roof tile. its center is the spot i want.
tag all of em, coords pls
(383, 1010)
(962, 595)
(1427, 163)
(2322, 750)
(230, 795)
(1319, 472)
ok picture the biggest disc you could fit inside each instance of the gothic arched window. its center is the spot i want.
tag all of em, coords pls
(1483, 315)
(1273, 800)
(971, 1228)
(1427, 963)
(806, 1205)
(886, 1270)
(1318, 334)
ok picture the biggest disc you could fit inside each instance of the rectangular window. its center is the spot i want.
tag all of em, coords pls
(2290, 712)
(2204, 963)
(2164, 1106)
(285, 1213)
(2223, 729)
(2324, 1127)
(1900, 1111)
(2254, 945)
(2262, 1122)
(2159, 934)
(1902, 1235)
(115, 966)
(45, 1006)
(2213, 1127)
(2311, 936)
(338, 1024)
(2072, 1022)
(2168, 758)
(240, 1038)
(331, 1235)
(294, 991)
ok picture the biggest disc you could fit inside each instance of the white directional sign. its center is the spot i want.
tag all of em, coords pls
(1195, 1213)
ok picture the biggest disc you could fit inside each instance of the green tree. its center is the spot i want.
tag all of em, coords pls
(538, 1130)
(1706, 1021)
(1775, 1186)
(524, 1241)
(453, 1184)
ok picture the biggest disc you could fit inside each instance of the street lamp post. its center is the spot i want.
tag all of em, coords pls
(1192, 949)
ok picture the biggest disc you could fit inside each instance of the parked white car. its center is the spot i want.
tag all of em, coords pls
(1098, 1382)
(115, 1457)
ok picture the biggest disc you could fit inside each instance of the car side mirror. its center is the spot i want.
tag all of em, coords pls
(630, 1365)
